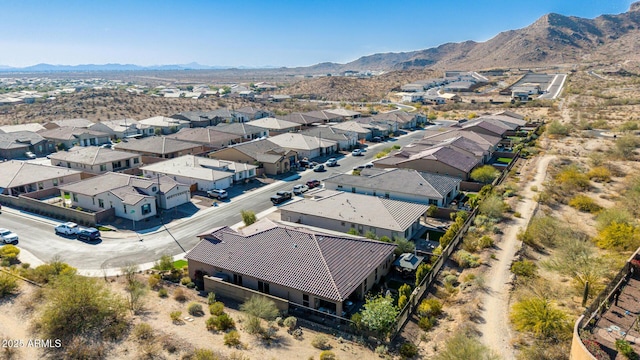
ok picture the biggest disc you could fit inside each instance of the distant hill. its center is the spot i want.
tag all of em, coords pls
(112, 67)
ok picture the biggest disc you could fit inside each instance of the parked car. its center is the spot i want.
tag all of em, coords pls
(357, 152)
(280, 197)
(88, 234)
(218, 194)
(68, 228)
(318, 168)
(376, 139)
(30, 155)
(300, 189)
(8, 237)
(332, 162)
(313, 184)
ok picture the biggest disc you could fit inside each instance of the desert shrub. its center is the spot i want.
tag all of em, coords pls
(80, 348)
(248, 216)
(165, 263)
(225, 322)
(46, 273)
(175, 316)
(232, 338)
(211, 298)
(253, 325)
(557, 129)
(625, 146)
(615, 214)
(195, 309)
(9, 253)
(599, 174)
(493, 206)
(465, 260)
(154, 281)
(405, 289)
(485, 174)
(462, 346)
(179, 295)
(320, 342)
(544, 230)
(540, 317)
(426, 323)
(269, 333)
(524, 268)
(8, 284)
(77, 305)
(205, 354)
(584, 203)
(162, 292)
(261, 307)
(382, 350)
(421, 272)
(619, 237)
(216, 308)
(430, 307)
(143, 331)
(485, 241)
(328, 355)
(408, 350)
(402, 301)
(625, 349)
(290, 322)
(572, 179)
(212, 323)
(185, 280)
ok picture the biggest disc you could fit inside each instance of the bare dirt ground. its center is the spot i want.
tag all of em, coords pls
(17, 323)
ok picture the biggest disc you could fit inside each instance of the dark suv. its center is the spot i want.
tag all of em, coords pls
(280, 197)
(88, 234)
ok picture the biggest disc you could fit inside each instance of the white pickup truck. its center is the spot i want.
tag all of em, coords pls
(68, 228)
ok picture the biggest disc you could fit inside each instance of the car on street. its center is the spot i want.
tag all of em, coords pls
(68, 228)
(357, 152)
(376, 139)
(88, 234)
(332, 162)
(8, 236)
(280, 197)
(365, 166)
(30, 155)
(313, 184)
(217, 194)
(318, 168)
(300, 189)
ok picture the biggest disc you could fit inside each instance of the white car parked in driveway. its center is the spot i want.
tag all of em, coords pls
(300, 189)
(8, 237)
(68, 228)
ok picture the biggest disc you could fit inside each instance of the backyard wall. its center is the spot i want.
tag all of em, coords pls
(239, 293)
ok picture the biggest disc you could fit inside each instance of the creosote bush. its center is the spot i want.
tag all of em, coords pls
(195, 309)
(320, 342)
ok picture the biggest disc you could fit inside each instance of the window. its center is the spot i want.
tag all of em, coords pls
(127, 163)
(237, 279)
(386, 195)
(374, 193)
(339, 186)
(305, 300)
(365, 284)
(154, 189)
(55, 182)
(353, 189)
(342, 223)
(116, 164)
(146, 209)
(101, 203)
(376, 274)
(136, 160)
(75, 197)
(263, 287)
(103, 167)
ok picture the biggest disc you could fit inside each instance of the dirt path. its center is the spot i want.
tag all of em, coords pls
(496, 332)
(14, 327)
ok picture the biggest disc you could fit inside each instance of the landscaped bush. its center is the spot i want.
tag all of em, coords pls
(595, 349)
(625, 349)
(8, 285)
(320, 342)
(421, 272)
(408, 350)
(179, 295)
(261, 307)
(524, 268)
(328, 355)
(225, 322)
(211, 298)
(402, 301)
(195, 309)
(465, 259)
(430, 307)
(232, 338)
(290, 322)
(619, 237)
(175, 316)
(540, 317)
(162, 292)
(485, 174)
(216, 308)
(185, 280)
(426, 323)
(584, 203)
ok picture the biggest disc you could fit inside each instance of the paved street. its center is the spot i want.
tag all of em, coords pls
(119, 248)
(555, 87)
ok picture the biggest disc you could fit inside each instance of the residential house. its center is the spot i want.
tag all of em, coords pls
(461, 143)
(14, 145)
(451, 98)
(379, 127)
(160, 146)
(198, 118)
(398, 184)
(344, 114)
(263, 153)
(77, 123)
(19, 177)
(342, 211)
(344, 140)
(301, 266)
(205, 173)
(403, 119)
(210, 137)
(304, 145)
(496, 129)
(487, 142)
(131, 197)
(324, 116)
(32, 127)
(68, 137)
(252, 113)
(362, 131)
(301, 118)
(438, 160)
(164, 125)
(275, 126)
(246, 131)
(123, 128)
(95, 159)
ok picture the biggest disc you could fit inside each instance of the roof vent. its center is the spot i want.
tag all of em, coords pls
(295, 246)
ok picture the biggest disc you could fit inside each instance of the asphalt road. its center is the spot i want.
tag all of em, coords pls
(554, 89)
(120, 248)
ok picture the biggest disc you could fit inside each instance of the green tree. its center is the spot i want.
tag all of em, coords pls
(248, 216)
(371, 235)
(462, 346)
(165, 263)
(403, 246)
(540, 317)
(485, 174)
(556, 128)
(421, 272)
(8, 284)
(493, 207)
(379, 314)
(10, 253)
(260, 306)
(619, 237)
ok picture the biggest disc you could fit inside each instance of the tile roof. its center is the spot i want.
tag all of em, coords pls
(484, 140)
(495, 128)
(33, 127)
(458, 142)
(111, 181)
(79, 123)
(163, 121)
(121, 125)
(351, 126)
(406, 181)
(91, 155)
(19, 139)
(300, 118)
(156, 145)
(325, 132)
(444, 154)
(328, 266)
(69, 133)
(239, 128)
(262, 150)
(323, 115)
(343, 112)
(299, 141)
(197, 167)
(359, 209)
(274, 124)
(17, 173)
(208, 136)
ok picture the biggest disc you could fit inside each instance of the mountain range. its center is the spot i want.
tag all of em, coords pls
(553, 39)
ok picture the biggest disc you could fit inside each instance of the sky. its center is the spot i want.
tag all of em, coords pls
(257, 33)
